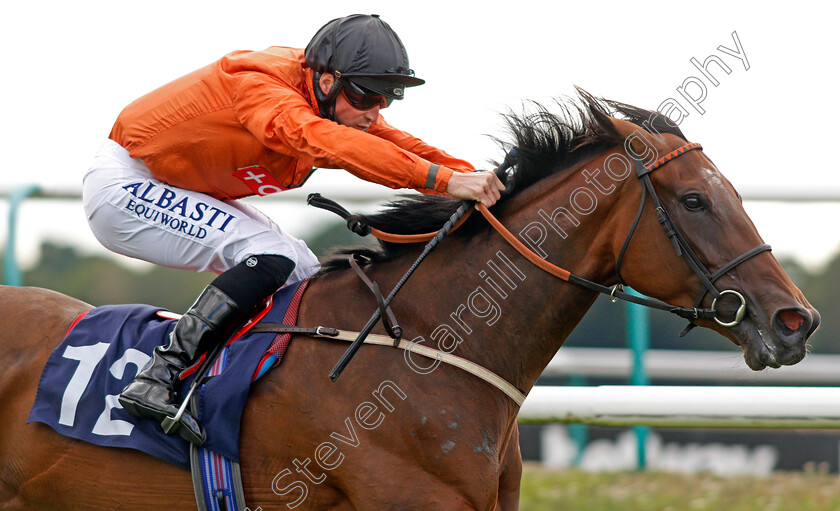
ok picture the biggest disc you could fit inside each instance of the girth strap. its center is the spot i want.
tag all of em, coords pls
(217, 480)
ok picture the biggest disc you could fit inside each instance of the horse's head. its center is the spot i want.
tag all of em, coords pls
(582, 175)
(704, 209)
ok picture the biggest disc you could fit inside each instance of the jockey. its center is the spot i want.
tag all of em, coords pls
(164, 186)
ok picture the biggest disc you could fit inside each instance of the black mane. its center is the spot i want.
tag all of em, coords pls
(545, 143)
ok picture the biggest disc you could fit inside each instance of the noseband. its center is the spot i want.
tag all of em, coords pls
(682, 247)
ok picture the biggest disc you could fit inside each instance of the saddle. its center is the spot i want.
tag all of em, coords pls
(106, 347)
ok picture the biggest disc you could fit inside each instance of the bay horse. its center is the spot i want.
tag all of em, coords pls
(404, 432)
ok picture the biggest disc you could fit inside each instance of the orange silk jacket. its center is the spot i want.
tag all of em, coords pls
(248, 124)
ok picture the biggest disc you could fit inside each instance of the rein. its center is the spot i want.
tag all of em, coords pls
(616, 292)
(356, 223)
(680, 245)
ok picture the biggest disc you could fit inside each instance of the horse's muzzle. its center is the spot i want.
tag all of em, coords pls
(784, 343)
(792, 327)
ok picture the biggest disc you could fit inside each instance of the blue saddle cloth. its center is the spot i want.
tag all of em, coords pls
(77, 393)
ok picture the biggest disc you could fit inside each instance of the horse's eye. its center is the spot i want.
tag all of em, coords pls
(693, 202)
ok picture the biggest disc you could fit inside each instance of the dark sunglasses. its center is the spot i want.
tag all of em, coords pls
(363, 99)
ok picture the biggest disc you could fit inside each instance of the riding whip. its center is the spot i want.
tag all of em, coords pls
(354, 347)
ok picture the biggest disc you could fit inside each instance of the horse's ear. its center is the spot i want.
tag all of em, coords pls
(637, 140)
(626, 129)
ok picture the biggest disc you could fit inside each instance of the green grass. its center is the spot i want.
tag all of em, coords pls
(559, 490)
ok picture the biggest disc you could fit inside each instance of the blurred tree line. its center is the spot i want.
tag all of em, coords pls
(100, 280)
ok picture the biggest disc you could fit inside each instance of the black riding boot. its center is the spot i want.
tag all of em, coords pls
(221, 309)
(212, 319)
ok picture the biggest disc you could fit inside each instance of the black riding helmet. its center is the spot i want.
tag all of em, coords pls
(363, 50)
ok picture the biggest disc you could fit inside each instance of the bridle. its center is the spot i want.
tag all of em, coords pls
(682, 247)
(357, 224)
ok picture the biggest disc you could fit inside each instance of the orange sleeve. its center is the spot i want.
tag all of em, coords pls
(416, 146)
(282, 119)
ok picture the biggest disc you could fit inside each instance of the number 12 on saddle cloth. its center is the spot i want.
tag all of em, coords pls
(104, 350)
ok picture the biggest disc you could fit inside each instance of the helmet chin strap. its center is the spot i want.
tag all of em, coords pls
(326, 102)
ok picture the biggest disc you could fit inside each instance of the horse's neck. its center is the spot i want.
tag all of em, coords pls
(507, 314)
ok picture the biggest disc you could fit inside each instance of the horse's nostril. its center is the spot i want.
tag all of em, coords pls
(791, 319)
(815, 322)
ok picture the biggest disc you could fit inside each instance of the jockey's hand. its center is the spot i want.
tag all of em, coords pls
(484, 187)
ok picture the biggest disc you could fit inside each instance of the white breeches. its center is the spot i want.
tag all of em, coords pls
(134, 214)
